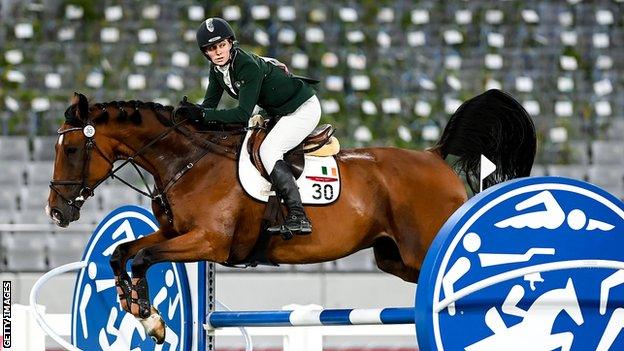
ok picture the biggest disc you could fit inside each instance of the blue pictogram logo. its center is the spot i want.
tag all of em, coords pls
(531, 264)
(98, 322)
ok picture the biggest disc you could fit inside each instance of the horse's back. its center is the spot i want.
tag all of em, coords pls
(403, 170)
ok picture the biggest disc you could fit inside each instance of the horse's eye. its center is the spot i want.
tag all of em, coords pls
(71, 150)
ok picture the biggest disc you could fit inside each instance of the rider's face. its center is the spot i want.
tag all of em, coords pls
(219, 53)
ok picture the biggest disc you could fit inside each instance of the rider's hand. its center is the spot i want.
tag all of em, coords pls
(191, 112)
(256, 120)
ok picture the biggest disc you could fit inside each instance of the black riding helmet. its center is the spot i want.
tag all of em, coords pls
(212, 31)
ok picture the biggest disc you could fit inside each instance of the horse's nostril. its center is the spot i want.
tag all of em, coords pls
(57, 215)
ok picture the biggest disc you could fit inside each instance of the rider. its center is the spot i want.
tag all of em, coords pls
(254, 80)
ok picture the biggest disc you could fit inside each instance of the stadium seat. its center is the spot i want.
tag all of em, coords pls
(608, 177)
(14, 148)
(570, 171)
(33, 216)
(43, 148)
(34, 197)
(607, 152)
(65, 247)
(129, 174)
(39, 173)
(12, 175)
(538, 171)
(116, 196)
(9, 199)
(24, 251)
(361, 261)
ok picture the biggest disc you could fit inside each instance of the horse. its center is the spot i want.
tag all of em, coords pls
(393, 200)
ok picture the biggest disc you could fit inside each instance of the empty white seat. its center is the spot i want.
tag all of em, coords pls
(610, 178)
(43, 148)
(33, 216)
(309, 268)
(34, 197)
(116, 196)
(8, 199)
(538, 171)
(93, 203)
(39, 173)
(360, 261)
(607, 152)
(6, 217)
(65, 247)
(24, 251)
(129, 174)
(14, 148)
(569, 171)
(90, 218)
(579, 152)
(12, 174)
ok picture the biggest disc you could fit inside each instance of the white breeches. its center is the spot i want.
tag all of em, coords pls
(289, 131)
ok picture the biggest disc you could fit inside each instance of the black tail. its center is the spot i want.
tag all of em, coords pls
(493, 124)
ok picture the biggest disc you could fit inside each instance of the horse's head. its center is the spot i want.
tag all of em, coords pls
(83, 159)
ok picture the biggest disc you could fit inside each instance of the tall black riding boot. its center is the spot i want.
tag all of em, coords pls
(296, 222)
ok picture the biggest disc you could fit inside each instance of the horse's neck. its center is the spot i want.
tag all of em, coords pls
(164, 158)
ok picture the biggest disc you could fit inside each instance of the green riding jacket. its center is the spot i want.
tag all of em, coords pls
(254, 82)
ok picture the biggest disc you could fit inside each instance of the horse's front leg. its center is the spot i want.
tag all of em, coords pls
(122, 253)
(197, 245)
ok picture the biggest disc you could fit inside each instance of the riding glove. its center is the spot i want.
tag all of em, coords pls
(190, 111)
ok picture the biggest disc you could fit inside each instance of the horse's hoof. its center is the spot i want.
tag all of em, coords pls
(154, 326)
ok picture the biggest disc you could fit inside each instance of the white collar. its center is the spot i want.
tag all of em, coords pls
(224, 68)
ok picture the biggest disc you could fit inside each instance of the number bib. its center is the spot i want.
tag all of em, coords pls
(320, 182)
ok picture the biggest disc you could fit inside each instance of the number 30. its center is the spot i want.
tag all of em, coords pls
(327, 193)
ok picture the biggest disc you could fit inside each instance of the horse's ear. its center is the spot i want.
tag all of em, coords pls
(75, 98)
(83, 106)
(78, 112)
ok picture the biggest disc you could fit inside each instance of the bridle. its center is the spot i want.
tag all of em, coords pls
(85, 190)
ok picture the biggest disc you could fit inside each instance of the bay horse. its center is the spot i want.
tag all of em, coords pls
(393, 200)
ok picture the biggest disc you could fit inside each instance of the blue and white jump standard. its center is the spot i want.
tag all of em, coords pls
(306, 318)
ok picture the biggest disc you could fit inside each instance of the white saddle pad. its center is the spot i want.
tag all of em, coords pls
(319, 184)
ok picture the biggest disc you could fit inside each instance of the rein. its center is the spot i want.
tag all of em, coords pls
(156, 194)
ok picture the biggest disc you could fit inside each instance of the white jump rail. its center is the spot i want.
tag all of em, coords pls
(34, 294)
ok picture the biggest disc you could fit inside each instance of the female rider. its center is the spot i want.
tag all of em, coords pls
(253, 80)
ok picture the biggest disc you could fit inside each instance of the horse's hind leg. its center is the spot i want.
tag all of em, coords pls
(389, 260)
(122, 253)
(193, 246)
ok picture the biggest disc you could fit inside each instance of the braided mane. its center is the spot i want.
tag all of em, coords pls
(128, 111)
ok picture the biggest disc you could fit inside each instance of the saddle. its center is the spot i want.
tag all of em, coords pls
(320, 142)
